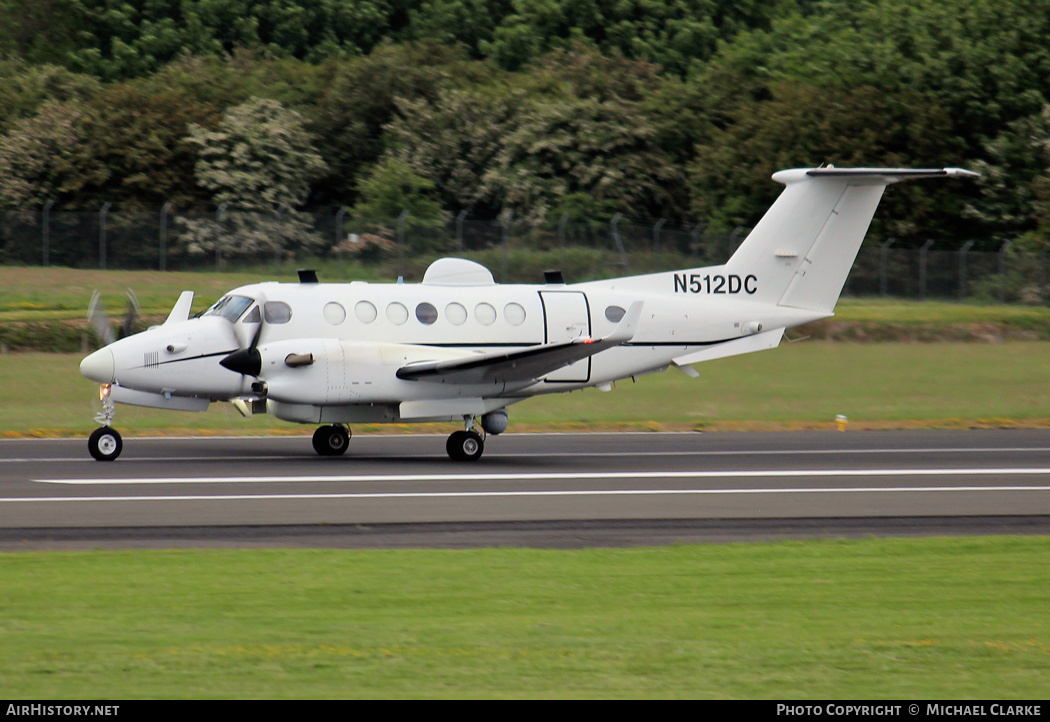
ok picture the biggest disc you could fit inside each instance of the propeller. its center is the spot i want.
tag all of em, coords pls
(99, 319)
(246, 361)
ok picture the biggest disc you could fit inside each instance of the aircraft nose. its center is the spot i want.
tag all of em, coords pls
(99, 366)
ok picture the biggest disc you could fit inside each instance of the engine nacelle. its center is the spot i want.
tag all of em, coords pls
(322, 371)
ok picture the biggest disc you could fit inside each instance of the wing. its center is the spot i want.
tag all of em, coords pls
(526, 364)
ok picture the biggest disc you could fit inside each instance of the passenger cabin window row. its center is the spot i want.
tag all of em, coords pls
(426, 313)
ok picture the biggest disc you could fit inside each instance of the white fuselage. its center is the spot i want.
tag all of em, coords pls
(359, 334)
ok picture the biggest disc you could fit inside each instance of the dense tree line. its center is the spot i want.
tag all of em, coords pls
(676, 109)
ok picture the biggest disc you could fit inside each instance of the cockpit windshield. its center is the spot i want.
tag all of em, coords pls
(230, 307)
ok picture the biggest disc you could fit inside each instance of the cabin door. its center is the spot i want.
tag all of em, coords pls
(567, 317)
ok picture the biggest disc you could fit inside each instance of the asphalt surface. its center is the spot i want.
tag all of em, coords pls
(543, 490)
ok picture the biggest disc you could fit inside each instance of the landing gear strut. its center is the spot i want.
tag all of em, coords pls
(105, 443)
(465, 445)
(331, 440)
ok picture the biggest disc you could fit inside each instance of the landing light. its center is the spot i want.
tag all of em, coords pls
(103, 392)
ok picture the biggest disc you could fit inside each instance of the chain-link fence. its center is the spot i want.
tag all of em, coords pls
(383, 249)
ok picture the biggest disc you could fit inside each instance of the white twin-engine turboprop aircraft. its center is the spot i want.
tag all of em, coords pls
(459, 347)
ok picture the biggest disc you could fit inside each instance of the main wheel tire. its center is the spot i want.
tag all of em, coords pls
(331, 440)
(105, 444)
(465, 446)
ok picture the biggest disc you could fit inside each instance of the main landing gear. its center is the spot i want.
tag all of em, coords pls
(105, 443)
(331, 440)
(466, 444)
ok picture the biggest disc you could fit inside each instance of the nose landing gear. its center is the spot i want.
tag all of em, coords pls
(105, 443)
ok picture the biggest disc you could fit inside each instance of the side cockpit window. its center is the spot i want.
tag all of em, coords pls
(254, 316)
(230, 307)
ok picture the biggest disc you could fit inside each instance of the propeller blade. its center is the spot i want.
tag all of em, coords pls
(99, 320)
(248, 361)
(131, 313)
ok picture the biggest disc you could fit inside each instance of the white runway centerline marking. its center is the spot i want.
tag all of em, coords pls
(526, 493)
(563, 476)
(555, 475)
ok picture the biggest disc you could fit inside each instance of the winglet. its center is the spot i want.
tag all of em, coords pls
(628, 325)
(181, 310)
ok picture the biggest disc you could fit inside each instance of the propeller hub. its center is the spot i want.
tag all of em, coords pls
(247, 361)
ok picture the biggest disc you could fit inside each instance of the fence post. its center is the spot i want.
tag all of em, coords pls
(277, 236)
(694, 239)
(562, 223)
(102, 213)
(47, 233)
(922, 268)
(401, 243)
(339, 215)
(883, 263)
(656, 234)
(1042, 269)
(219, 215)
(617, 241)
(1002, 271)
(163, 260)
(962, 268)
(505, 220)
(460, 217)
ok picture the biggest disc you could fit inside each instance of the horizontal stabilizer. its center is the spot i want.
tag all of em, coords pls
(803, 248)
(892, 174)
(748, 344)
(532, 363)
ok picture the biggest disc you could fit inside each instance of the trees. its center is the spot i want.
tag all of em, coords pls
(35, 157)
(258, 164)
(678, 109)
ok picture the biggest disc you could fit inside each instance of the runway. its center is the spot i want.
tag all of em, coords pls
(529, 489)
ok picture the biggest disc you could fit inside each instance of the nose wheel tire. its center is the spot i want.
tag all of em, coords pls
(465, 446)
(105, 444)
(331, 440)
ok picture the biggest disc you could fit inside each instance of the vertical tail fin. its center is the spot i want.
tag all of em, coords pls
(804, 246)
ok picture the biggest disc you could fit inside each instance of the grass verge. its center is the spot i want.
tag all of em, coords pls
(918, 619)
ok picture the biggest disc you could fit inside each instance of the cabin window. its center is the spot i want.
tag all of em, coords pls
(426, 313)
(277, 312)
(456, 314)
(485, 314)
(514, 314)
(230, 307)
(334, 313)
(614, 313)
(396, 313)
(365, 312)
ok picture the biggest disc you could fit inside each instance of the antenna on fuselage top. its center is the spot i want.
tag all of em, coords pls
(307, 276)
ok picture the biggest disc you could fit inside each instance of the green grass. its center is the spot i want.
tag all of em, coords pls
(933, 618)
(803, 385)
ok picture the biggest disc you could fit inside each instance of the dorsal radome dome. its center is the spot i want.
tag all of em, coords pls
(457, 272)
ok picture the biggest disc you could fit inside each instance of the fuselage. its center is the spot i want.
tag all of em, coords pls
(357, 335)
